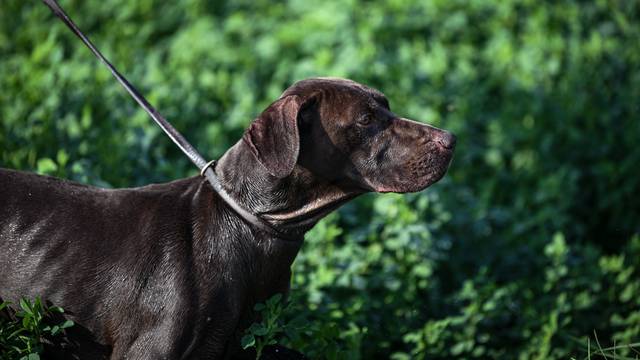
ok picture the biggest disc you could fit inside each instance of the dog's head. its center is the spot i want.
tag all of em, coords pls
(345, 132)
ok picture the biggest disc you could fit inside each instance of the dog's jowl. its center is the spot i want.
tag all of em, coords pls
(170, 270)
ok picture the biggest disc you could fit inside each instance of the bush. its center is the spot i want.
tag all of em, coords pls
(23, 333)
(528, 245)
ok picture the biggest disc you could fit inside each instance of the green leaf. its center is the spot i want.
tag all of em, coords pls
(37, 304)
(62, 157)
(56, 309)
(256, 328)
(34, 356)
(46, 166)
(259, 307)
(15, 333)
(67, 324)
(247, 341)
(274, 300)
(24, 304)
(260, 330)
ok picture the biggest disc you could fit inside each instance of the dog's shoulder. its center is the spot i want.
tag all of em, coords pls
(170, 191)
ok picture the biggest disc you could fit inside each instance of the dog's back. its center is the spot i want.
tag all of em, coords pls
(52, 230)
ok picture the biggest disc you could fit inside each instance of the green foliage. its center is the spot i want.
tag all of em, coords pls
(264, 333)
(22, 338)
(318, 339)
(527, 246)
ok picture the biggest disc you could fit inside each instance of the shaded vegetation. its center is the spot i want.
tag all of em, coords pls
(527, 246)
(23, 333)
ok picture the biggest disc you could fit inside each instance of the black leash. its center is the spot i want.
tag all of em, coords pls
(206, 167)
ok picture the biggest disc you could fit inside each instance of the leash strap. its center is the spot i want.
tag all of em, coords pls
(206, 168)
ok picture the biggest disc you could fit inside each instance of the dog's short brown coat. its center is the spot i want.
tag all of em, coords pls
(170, 271)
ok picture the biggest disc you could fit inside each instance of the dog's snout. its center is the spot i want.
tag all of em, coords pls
(446, 139)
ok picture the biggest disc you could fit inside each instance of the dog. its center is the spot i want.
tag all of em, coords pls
(170, 271)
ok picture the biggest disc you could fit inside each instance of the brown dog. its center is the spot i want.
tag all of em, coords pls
(170, 271)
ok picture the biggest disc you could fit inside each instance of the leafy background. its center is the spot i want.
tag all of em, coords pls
(525, 248)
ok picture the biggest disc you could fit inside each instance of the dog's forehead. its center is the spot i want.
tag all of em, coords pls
(334, 87)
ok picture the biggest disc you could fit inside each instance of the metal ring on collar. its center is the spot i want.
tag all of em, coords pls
(207, 165)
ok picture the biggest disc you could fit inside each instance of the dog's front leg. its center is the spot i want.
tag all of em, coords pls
(148, 345)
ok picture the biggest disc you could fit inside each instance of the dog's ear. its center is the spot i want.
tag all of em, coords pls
(274, 136)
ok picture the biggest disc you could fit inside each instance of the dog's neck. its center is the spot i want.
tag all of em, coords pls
(293, 204)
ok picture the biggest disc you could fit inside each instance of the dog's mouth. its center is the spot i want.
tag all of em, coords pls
(418, 174)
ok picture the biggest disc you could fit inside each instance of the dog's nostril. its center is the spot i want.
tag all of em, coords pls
(446, 139)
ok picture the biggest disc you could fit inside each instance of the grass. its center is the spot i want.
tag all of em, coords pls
(611, 352)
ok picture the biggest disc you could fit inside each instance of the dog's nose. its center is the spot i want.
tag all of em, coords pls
(446, 139)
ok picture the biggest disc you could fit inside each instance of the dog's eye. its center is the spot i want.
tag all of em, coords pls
(364, 120)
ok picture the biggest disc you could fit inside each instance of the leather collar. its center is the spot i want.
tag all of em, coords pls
(208, 172)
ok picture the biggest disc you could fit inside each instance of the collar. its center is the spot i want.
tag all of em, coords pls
(208, 173)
